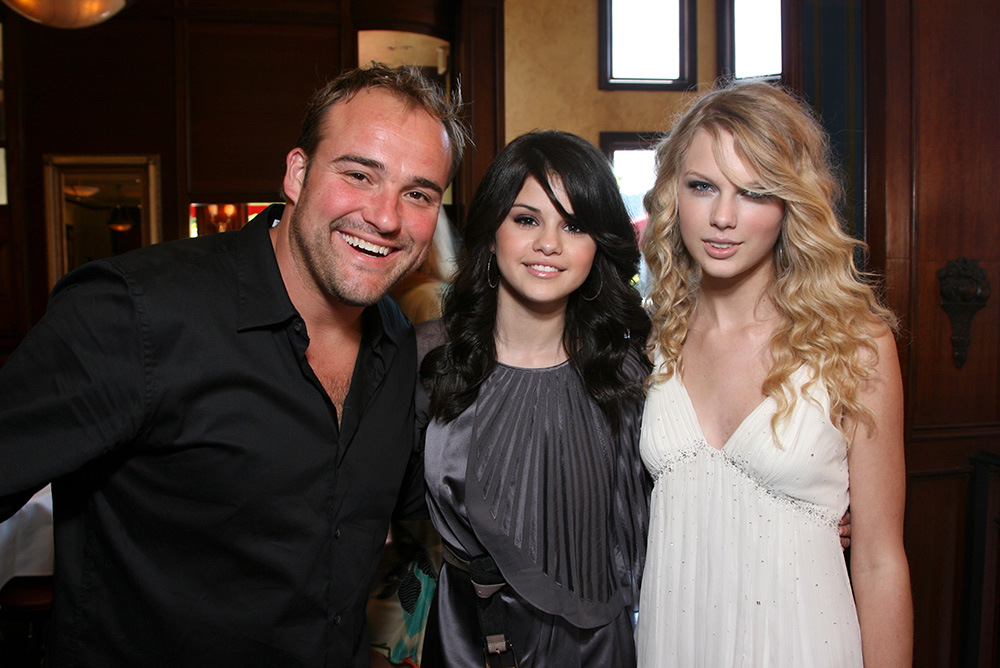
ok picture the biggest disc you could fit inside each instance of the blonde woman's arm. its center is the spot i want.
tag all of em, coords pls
(879, 570)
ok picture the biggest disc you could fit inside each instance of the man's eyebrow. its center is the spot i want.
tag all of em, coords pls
(379, 166)
(361, 160)
(430, 185)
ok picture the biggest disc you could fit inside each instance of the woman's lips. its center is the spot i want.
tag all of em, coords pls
(720, 250)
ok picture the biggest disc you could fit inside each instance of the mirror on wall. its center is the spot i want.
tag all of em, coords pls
(99, 206)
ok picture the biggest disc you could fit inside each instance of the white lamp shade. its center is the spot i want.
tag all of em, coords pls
(67, 13)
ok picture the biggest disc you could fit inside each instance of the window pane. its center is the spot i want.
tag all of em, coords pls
(645, 36)
(758, 38)
(636, 172)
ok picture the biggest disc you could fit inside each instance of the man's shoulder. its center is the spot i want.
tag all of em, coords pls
(178, 256)
(176, 271)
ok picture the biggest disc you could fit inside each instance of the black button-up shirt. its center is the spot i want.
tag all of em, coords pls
(210, 508)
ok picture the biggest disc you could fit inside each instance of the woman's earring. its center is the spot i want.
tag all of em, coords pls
(596, 294)
(782, 257)
(489, 278)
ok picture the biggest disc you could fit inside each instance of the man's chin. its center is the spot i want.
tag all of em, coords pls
(359, 295)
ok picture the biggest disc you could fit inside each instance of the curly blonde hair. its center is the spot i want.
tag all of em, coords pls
(828, 310)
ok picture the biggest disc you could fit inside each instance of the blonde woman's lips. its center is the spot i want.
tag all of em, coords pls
(720, 250)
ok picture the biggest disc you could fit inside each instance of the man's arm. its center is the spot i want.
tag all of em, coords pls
(75, 387)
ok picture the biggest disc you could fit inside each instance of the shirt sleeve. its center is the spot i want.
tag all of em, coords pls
(75, 388)
(412, 504)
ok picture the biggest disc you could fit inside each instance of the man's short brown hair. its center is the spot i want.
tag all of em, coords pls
(408, 83)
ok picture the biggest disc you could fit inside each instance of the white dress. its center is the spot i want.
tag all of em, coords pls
(744, 565)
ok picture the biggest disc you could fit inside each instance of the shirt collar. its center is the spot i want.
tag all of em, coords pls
(263, 300)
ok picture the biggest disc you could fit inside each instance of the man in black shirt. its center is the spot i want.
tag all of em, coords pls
(228, 420)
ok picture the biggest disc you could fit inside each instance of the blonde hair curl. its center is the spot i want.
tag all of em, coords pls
(828, 310)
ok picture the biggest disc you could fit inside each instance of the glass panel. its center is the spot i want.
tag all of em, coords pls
(636, 172)
(645, 40)
(757, 24)
(208, 218)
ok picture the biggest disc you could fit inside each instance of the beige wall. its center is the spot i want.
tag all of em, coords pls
(550, 58)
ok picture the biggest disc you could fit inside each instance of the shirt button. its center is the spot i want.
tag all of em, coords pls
(336, 533)
(336, 620)
(297, 325)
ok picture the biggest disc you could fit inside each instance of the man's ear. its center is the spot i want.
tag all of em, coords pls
(296, 163)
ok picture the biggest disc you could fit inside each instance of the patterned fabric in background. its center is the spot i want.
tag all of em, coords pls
(401, 599)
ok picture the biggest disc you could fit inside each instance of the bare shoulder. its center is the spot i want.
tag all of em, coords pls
(882, 357)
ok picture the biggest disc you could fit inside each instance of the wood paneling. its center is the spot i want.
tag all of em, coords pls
(103, 90)
(973, 392)
(295, 11)
(433, 17)
(10, 298)
(932, 171)
(247, 89)
(936, 531)
(480, 64)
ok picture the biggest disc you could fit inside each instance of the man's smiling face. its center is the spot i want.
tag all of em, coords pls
(366, 202)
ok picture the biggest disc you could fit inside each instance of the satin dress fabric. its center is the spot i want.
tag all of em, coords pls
(532, 474)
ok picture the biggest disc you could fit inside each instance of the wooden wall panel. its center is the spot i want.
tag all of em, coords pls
(435, 17)
(973, 392)
(291, 10)
(932, 173)
(10, 298)
(104, 90)
(935, 536)
(247, 88)
(480, 64)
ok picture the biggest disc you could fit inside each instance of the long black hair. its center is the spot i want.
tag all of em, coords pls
(599, 332)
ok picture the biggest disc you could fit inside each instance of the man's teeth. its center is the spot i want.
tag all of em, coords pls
(543, 267)
(368, 246)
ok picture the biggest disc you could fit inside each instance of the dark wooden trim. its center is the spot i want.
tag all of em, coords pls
(791, 45)
(725, 31)
(791, 42)
(979, 616)
(939, 474)
(609, 142)
(479, 66)
(947, 432)
(20, 314)
(888, 184)
(182, 124)
(688, 79)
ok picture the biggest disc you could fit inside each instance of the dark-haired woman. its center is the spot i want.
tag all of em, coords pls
(535, 397)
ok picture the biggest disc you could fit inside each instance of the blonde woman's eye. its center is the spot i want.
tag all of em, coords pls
(756, 195)
(699, 186)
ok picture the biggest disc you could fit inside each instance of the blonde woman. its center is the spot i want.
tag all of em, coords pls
(775, 401)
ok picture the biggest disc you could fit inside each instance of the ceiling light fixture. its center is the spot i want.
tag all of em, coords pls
(67, 13)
